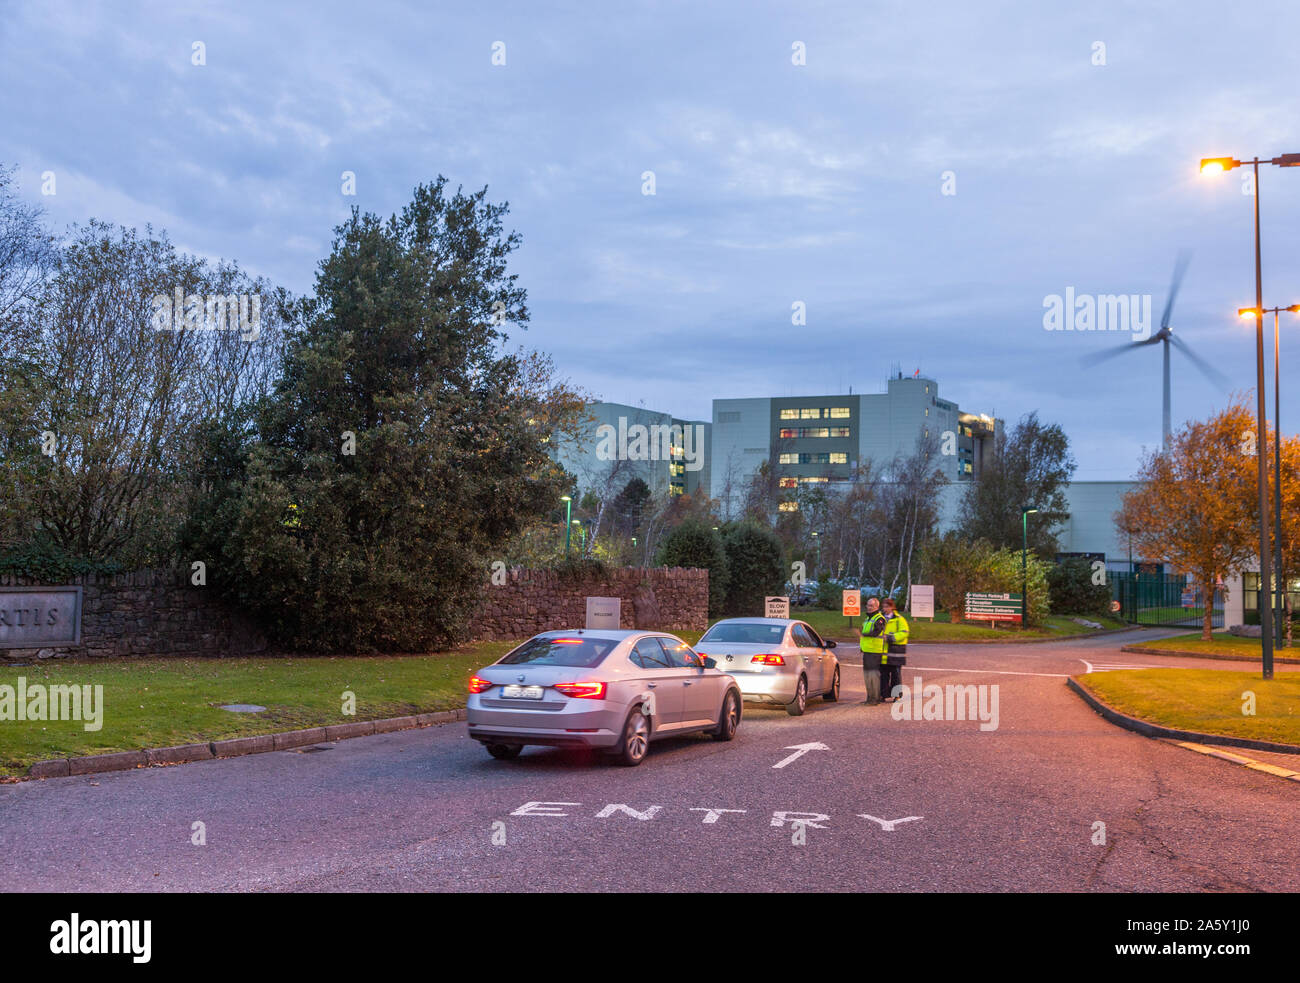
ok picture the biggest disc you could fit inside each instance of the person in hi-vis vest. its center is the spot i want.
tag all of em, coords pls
(895, 657)
(873, 650)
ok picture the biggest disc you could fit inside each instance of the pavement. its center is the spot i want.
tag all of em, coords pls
(886, 805)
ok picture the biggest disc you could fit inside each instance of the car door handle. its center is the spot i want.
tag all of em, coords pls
(689, 682)
(652, 685)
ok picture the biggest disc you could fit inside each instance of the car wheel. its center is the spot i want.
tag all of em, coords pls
(796, 707)
(504, 752)
(729, 719)
(635, 740)
(832, 695)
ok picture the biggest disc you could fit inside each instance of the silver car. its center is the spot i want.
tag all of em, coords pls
(775, 660)
(612, 690)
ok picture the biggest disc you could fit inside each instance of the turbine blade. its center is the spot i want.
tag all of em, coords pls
(1208, 370)
(1106, 353)
(1180, 269)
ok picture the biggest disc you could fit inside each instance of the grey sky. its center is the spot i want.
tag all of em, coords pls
(776, 183)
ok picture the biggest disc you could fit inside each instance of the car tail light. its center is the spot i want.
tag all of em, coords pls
(477, 685)
(582, 691)
(769, 660)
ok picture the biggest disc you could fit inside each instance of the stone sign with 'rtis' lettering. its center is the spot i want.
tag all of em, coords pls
(38, 617)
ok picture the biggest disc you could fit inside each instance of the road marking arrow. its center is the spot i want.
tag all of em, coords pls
(887, 825)
(799, 751)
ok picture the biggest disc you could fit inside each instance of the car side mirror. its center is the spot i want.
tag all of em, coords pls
(830, 642)
(710, 662)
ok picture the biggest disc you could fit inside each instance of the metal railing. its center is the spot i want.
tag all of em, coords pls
(1163, 600)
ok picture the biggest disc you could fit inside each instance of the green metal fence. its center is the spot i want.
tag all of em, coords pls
(1162, 600)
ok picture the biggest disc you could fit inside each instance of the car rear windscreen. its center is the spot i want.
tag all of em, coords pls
(581, 653)
(739, 631)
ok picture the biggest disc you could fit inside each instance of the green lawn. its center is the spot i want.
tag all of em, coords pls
(162, 702)
(1206, 700)
(1222, 644)
(835, 625)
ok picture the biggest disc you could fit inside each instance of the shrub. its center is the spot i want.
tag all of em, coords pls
(695, 545)
(1070, 584)
(755, 566)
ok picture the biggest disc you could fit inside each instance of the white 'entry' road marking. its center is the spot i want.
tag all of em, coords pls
(887, 825)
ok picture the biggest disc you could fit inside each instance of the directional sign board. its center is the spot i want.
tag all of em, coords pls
(776, 607)
(852, 603)
(994, 607)
(921, 601)
(603, 612)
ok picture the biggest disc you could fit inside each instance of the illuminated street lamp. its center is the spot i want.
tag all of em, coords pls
(568, 514)
(1280, 594)
(1215, 165)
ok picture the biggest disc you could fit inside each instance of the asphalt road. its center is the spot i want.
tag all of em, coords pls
(1011, 809)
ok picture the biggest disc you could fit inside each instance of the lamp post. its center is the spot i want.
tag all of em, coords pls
(1279, 594)
(1025, 513)
(819, 556)
(1211, 165)
(568, 515)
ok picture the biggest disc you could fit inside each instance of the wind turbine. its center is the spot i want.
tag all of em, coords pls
(1166, 337)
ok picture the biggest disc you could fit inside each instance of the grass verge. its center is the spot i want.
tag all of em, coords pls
(150, 703)
(1209, 701)
(835, 625)
(1221, 644)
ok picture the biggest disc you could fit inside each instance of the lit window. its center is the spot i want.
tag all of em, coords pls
(789, 482)
(839, 431)
(789, 432)
(789, 458)
(789, 506)
(789, 414)
(810, 414)
(838, 413)
(839, 458)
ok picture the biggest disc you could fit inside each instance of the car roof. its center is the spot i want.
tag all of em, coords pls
(757, 621)
(608, 634)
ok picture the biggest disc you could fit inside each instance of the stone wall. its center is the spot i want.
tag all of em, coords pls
(158, 612)
(531, 601)
(148, 612)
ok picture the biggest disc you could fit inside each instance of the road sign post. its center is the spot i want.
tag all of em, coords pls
(995, 608)
(776, 607)
(851, 605)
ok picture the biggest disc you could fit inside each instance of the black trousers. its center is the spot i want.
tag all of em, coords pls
(890, 676)
(871, 676)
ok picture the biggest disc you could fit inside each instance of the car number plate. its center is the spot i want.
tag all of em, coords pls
(522, 692)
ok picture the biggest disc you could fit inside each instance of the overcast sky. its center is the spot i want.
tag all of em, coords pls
(775, 182)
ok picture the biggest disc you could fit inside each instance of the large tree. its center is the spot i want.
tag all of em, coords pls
(1193, 506)
(401, 450)
(1030, 468)
(102, 404)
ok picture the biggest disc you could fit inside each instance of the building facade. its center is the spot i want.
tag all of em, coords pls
(824, 439)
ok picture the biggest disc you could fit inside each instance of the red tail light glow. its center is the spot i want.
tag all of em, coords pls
(477, 685)
(582, 691)
(769, 660)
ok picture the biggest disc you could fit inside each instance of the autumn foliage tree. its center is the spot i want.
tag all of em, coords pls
(1193, 507)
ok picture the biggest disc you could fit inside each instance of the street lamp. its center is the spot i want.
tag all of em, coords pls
(1279, 594)
(1025, 513)
(1213, 165)
(568, 515)
(819, 555)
